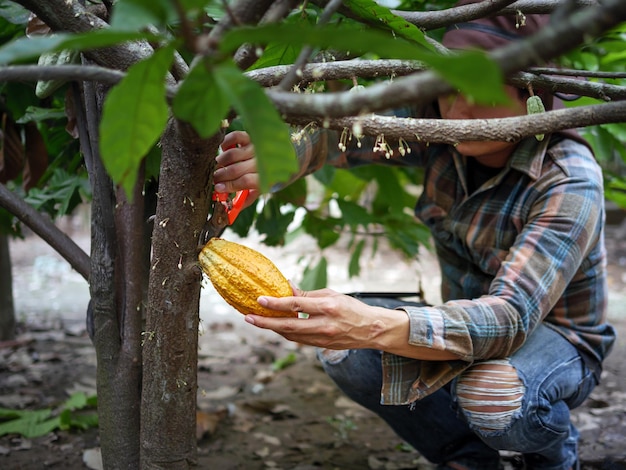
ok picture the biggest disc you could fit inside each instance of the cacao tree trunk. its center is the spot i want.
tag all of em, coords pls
(145, 421)
(170, 350)
(7, 309)
(117, 285)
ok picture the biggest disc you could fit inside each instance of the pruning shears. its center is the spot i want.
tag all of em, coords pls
(223, 213)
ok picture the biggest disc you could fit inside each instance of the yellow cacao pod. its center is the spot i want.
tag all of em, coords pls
(240, 275)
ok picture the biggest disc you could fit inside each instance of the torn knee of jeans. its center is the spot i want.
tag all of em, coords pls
(332, 356)
(490, 395)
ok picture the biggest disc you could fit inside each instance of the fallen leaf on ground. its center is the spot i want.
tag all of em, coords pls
(207, 422)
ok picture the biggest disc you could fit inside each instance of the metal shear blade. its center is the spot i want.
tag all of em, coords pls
(225, 211)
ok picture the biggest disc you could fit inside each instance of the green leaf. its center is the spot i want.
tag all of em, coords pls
(24, 48)
(377, 14)
(37, 114)
(347, 184)
(65, 420)
(6, 414)
(61, 194)
(14, 14)
(295, 193)
(133, 15)
(153, 163)
(355, 39)
(354, 268)
(77, 401)
(277, 54)
(325, 175)
(284, 362)
(197, 4)
(29, 48)
(69, 420)
(315, 277)
(324, 230)
(276, 160)
(472, 72)
(201, 102)
(134, 116)
(30, 423)
(273, 223)
(406, 234)
(280, 52)
(617, 195)
(242, 224)
(354, 214)
(17, 96)
(35, 423)
(84, 420)
(391, 196)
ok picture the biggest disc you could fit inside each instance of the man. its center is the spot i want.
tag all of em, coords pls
(522, 333)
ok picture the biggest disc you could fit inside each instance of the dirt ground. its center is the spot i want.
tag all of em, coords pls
(251, 414)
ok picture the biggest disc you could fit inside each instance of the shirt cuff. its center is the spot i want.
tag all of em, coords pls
(427, 328)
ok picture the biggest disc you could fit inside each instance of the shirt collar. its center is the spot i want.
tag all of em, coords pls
(528, 156)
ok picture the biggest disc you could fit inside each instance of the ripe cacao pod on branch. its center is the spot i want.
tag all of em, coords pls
(240, 275)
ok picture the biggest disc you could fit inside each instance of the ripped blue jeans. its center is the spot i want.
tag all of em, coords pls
(449, 426)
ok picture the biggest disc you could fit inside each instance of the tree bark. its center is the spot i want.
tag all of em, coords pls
(45, 228)
(7, 309)
(115, 287)
(64, 16)
(170, 350)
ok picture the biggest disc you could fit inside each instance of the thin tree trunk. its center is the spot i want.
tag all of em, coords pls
(7, 309)
(116, 285)
(170, 350)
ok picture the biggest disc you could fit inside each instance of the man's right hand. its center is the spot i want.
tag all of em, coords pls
(236, 167)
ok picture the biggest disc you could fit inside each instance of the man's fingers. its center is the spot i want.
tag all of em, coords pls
(277, 324)
(303, 301)
(232, 139)
(235, 170)
(235, 155)
(286, 304)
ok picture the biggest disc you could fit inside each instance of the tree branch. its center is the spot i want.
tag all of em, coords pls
(60, 72)
(270, 76)
(50, 233)
(429, 20)
(394, 68)
(544, 6)
(291, 78)
(423, 88)
(72, 17)
(560, 37)
(598, 90)
(341, 70)
(413, 88)
(242, 12)
(337, 70)
(246, 54)
(576, 72)
(453, 131)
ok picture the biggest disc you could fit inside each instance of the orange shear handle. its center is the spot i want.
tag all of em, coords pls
(234, 207)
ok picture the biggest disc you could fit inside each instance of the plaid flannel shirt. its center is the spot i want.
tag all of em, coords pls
(526, 247)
